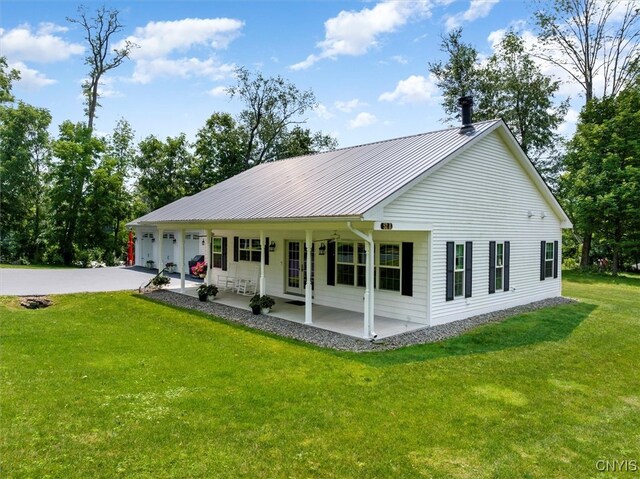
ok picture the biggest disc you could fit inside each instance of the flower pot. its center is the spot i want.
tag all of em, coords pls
(203, 297)
(255, 309)
(202, 275)
(265, 310)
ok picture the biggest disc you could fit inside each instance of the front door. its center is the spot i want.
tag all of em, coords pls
(296, 268)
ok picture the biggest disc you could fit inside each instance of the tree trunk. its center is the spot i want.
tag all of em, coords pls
(586, 250)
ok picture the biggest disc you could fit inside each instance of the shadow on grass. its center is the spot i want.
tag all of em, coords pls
(545, 325)
(627, 279)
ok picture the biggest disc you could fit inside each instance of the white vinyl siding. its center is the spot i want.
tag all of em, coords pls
(474, 212)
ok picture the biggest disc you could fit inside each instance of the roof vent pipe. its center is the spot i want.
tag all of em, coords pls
(466, 103)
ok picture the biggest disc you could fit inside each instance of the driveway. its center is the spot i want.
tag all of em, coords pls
(23, 281)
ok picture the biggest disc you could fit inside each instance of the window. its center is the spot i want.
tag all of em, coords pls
(499, 265)
(351, 265)
(216, 252)
(548, 263)
(249, 249)
(458, 275)
(389, 267)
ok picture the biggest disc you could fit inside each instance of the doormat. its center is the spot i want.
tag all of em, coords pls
(296, 303)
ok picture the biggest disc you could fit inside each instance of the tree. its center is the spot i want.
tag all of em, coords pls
(7, 77)
(602, 177)
(272, 106)
(509, 86)
(165, 171)
(77, 153)
(301, 141)
(24, 158)
(587, 38)
(99, 31)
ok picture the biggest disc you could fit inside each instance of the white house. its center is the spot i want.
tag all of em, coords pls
(430, 228)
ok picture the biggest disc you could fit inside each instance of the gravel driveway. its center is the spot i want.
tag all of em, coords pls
(23, 281)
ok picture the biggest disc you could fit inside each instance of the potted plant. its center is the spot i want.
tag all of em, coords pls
(171, 267)
(200, 269)
(254, 304)
(160, 281)
(150, 264)
(206, 290)
(266, 303)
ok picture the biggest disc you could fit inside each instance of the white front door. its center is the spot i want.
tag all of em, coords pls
(296, 263)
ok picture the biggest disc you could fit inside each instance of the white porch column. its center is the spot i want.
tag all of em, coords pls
(207, 256)
(181, 256)
(262, 248)
(160, 261)
(308, 292)
(369, 309)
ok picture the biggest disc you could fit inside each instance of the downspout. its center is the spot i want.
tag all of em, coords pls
(368, 293)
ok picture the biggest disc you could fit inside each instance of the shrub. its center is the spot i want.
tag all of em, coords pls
(160, 281)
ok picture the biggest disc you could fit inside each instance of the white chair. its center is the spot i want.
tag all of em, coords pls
(227, 282)
(246, 287)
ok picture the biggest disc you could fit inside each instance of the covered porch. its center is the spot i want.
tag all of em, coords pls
(324, 317)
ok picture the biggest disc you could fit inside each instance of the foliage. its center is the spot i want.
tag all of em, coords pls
(98, 32)
(509, 86)
(24, 160)
(588, 38)
(544, 394)
(7, 77)
(160, 280)
(76, 152)
(207, 290)
(602, 177)
(266, 302)
(255, 300)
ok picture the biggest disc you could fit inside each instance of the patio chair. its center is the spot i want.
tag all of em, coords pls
(246, 287)
(227, 282)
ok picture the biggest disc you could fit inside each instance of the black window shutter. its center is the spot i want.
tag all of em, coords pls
(468, 262)
(492, 267)
(236, 248)
(224, 253)
(406, 281)
(331, 263)
(555, 259)
(543, 248)
(450, 259)
(505, 262)
(266, 250)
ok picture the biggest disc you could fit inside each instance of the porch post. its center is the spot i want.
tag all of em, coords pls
(367, 290)
(262, 247)
(308, 292)
(207, 256)
(181, 255)
(160, 258)
(371, 259)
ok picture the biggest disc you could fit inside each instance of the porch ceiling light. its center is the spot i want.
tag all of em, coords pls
(323, 249)
(272, 246)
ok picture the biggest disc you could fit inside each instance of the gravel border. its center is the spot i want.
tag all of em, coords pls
(342, 342)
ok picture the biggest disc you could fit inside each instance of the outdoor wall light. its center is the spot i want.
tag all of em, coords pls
(203, 242)
(323, 249)
(543, 215)
(175, 241)
(153, 240)
(272, 246)
(529, 214)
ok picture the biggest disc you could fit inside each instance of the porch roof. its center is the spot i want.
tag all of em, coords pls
(346, 182)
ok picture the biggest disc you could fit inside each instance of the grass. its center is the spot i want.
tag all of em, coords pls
(115, 385)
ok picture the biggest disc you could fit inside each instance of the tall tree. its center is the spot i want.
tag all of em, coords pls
(588, 38)
(602, 177)
(99, 31)
(509, 86)
(7, 77)
(272, 105)
(77, 153)
(24, 158)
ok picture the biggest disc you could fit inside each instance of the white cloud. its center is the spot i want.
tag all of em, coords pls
(147, 70)
(362, 119)
(349, 105)
(355, 32)
(400, 59)
(477, 9)
(570, 121)
(31, 79)
(414, 89)
(218, 91)
(323, 112)
(159, 39)
(24, 44)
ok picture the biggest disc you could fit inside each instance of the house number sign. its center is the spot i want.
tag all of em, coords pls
(386, 226)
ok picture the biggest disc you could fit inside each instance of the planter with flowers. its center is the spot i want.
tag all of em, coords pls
(206, 290)
(170, 267)
(200, 269)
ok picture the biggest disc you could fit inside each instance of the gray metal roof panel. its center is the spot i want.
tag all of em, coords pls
(343, 182)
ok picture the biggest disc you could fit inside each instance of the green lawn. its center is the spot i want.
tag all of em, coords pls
(114, 385)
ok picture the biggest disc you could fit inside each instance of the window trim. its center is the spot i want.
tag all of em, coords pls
(250, 250)
(548, 262)
(457, 270)
(499, 267)
(356, 264)
(214, 253)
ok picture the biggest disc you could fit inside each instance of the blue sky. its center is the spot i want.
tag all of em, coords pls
(365, 61)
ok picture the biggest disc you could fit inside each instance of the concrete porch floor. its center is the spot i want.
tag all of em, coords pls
(324, 317)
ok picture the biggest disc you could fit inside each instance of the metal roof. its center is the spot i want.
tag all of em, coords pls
(346, 182)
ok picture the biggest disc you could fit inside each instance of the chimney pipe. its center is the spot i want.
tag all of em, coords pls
(466, 103)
